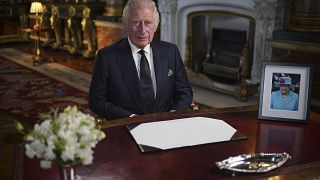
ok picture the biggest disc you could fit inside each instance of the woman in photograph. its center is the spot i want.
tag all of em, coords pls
(284, 98)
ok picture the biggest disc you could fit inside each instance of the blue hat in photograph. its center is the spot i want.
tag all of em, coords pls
(284, 81)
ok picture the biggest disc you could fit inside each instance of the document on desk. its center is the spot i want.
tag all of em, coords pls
(163, 135)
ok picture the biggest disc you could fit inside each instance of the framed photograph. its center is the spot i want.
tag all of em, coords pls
(285, 92)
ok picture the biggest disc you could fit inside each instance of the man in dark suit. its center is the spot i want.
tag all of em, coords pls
(139, 75)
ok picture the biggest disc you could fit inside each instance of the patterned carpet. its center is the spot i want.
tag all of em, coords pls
(26, 91)
(75, 78)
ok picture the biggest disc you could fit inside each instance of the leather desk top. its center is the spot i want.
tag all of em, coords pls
(118, 157)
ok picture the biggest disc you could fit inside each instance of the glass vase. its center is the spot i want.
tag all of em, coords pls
(68, 173)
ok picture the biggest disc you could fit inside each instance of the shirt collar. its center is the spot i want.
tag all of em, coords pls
(135, 49)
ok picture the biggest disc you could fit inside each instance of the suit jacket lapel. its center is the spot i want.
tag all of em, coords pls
(129, 72)
(160, 67)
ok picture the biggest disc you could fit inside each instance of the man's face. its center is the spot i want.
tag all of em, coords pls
(141, 25)
(284, 89)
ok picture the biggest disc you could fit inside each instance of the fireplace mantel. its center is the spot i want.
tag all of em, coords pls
(268, 15)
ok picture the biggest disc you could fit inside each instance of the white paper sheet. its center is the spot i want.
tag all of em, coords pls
(182, 132)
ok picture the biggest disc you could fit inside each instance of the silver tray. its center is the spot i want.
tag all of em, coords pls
(254, 163)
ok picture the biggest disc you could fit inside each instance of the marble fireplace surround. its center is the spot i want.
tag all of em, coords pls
(268, 15)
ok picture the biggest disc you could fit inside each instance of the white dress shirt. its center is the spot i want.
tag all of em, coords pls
(149, 55)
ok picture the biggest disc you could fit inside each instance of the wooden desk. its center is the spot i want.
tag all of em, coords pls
(118, 157)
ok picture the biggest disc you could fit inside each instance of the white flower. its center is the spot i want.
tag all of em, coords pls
(85, 155)
(45, 164)
(29, 151)
(48, 153)
(38, 147)
(66, 137)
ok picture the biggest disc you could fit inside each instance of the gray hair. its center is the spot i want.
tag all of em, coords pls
(133, 3)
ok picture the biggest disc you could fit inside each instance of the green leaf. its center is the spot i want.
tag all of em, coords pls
(19, 127)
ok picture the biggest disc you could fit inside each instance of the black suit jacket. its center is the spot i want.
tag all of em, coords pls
(115, 90)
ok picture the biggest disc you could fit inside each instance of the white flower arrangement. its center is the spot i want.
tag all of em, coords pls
(66, 137)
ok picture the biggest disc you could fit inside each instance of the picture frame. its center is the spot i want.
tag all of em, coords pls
(285, 92)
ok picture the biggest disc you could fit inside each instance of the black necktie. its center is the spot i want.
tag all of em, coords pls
(146, 82)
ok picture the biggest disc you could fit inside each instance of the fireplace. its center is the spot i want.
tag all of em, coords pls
(195, 27)
(224, 55)
(218, 43)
